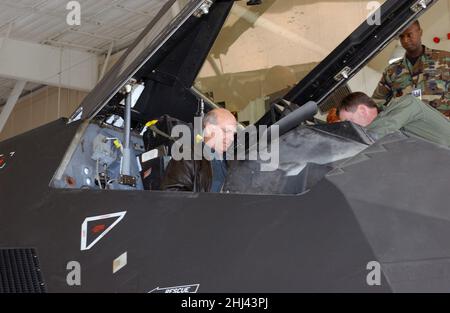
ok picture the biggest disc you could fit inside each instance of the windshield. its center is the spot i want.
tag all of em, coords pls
(264, 50)
(172, 15)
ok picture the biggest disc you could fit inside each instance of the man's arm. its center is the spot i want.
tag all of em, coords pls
(179, 176)
(443, 104)
(399, 113)
(383, 91)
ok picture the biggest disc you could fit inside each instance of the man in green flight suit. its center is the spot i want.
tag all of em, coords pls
(406, 113)
(422, 72)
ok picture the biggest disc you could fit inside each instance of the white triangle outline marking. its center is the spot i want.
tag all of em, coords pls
(120, 216)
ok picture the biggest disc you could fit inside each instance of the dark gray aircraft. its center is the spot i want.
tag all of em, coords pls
(342, 212)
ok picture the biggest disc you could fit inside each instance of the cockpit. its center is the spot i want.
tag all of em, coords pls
(264, 63)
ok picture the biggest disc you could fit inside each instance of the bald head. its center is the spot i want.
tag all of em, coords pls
(218, 116)
(219, 129)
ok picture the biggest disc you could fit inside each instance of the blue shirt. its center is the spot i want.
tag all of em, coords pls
(219, 173)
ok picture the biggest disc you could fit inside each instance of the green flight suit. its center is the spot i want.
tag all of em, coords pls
(414, 116)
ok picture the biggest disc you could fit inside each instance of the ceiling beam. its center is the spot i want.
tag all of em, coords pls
(12, 100)
(43, 64)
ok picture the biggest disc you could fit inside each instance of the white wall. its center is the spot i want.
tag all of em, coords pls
(48, 65)
(436, 23)
(41, 107)
(365, 80)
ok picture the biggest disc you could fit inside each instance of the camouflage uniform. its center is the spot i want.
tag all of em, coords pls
(430, 74)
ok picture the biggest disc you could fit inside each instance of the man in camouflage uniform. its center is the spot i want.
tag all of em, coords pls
(423, 73)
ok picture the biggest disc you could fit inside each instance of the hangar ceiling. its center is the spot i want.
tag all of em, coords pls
(104, 24)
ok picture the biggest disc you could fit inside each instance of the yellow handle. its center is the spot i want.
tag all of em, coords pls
(117, 144)
(198, 139)
(151, 123)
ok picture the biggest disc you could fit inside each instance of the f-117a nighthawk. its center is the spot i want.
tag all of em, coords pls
(73, 194)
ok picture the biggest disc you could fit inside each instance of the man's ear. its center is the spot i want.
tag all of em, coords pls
(206, 131)
(362, 109)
